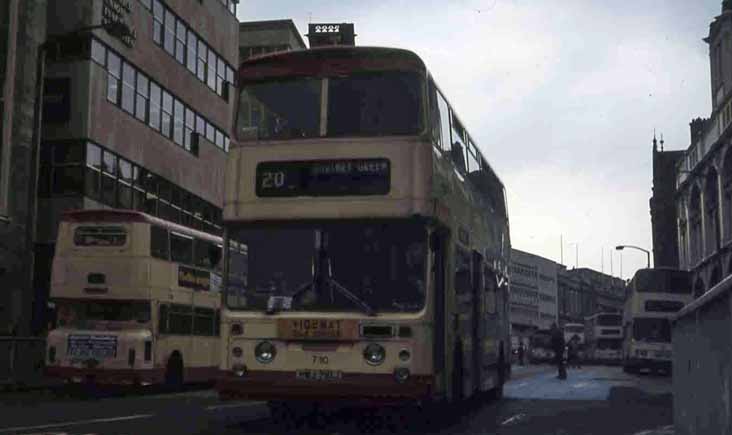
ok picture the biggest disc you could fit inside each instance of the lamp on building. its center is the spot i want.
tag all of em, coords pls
(648, 253)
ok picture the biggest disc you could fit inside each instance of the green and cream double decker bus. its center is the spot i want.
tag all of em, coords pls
(376, 232)
(137, 299)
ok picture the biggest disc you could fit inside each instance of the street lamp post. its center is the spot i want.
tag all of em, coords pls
(648, 253)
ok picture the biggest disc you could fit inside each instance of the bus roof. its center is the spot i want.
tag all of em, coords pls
(122, 215)
(328, 60)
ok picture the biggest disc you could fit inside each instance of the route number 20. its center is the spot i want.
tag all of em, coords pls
(273, 179)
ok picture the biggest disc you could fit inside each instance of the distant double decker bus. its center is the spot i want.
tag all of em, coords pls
(137, 300)
(540, 347)
(376, 232)
(604, 337)
(655, 295)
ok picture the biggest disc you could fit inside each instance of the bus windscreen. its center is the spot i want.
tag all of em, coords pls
(349, 266)
(358, 104)
(662, 281)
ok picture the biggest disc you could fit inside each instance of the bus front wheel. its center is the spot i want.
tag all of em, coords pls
(497, 392)
(457, 374)
(174, 371)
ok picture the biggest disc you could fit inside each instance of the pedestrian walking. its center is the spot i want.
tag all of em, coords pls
(558, 347)
(572, 357)
(521, 353)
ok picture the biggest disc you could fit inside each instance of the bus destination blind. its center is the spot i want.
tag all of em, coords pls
(324, 178)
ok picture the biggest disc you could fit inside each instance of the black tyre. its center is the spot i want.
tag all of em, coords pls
(497, 392)
(174, 372)
(457, 375)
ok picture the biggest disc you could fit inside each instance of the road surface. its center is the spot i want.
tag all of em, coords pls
(592, 401)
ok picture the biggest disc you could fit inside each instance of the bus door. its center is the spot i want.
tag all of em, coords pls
(438, 244)
(478, 321)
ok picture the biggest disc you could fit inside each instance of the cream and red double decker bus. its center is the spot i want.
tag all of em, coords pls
(377, 237)
(654, 296)
(137, 300)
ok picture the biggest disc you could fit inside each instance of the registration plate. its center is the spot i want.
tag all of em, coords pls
(317, 329)
(318, 375)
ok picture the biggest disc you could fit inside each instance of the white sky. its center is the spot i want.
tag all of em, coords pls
(561, 96)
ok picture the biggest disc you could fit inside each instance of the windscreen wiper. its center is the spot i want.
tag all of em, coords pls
(352, 297)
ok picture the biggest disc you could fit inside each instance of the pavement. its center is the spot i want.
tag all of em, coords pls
(592, 401)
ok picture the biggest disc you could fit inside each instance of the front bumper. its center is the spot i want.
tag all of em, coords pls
(107, 376)
(360, 388)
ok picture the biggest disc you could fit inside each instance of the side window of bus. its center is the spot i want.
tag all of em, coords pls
(490, 287)
(163, 319)
(462, 272)
(181, 248)
(217, 323)
(180, 320)
(473, 155)
(207, 254)
(203, 321)
(159, 245)
(444, 115)
(435, 117)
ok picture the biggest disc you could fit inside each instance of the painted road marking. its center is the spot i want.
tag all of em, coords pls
(75, 423)
(234, 405)
(666, 430)
(513, 419)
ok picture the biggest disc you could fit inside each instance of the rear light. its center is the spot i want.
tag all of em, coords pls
(148, 350)
(52, 354)
(237, 329)
(131, 357)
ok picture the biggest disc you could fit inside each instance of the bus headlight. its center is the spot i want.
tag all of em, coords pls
(265, 352)
(374, 354)
(52, 354)
(404, 355)
(401, 374)
(237, 352)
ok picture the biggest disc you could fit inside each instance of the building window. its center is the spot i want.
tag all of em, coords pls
(125, 184)
(189, 127)
(109, 178)
(158, 14)
(211, 72)
(169, 40)
(192, 44)
(220, 76)
(142, 97)
(93, 171)
(202, 53)
(128, 88)
(188, 48)
(178, 122)
(113, 77)
(180, 42)
(98, 52)
(167, 118)
(155, 106)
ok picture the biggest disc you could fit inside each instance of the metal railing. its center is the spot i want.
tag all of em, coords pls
(702, 364)
(21, 360)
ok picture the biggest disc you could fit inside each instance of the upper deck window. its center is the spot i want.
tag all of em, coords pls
(359, 104)
(100, 236)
